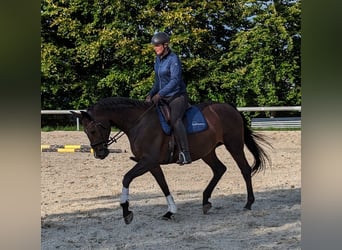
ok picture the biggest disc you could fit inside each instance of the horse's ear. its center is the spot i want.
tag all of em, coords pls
(82, 115)
(86, 115)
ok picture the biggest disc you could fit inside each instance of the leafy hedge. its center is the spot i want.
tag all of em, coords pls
(241, 52)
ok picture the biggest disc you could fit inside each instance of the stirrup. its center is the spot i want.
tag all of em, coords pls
(183, 159)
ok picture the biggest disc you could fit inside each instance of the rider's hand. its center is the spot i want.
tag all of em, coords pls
(156, 98)
(148, 98)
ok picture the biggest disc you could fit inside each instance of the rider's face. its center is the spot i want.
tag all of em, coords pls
(159, 49)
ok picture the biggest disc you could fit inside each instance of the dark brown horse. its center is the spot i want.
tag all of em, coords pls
(151, 146)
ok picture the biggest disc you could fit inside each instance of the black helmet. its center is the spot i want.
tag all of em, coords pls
(160, 38)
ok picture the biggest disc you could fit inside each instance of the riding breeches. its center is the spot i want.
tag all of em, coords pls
(178, 106)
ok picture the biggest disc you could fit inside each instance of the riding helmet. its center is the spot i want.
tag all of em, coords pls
(160, 38)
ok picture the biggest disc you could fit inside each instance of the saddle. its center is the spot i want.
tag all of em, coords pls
(193, 120)
(166, 112)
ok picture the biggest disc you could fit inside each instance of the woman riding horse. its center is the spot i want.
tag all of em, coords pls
(170, 87)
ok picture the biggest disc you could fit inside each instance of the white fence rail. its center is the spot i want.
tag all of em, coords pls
(280, 122)
(276, 122)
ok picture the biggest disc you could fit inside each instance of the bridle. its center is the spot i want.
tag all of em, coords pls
(117, 136)
(104, 142)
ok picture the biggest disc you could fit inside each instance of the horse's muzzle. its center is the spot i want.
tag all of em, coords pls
(101, 153)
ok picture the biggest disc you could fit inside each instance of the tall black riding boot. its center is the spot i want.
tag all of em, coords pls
(181, 137)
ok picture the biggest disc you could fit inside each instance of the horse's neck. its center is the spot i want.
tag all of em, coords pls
(125, 119)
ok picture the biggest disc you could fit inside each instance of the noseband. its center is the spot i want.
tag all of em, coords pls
(105, 142)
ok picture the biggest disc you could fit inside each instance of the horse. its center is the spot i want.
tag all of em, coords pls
(150, 145)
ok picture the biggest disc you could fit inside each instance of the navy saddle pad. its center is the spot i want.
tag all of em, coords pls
(194, 121)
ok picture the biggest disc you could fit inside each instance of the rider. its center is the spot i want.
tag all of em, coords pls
(170, 87)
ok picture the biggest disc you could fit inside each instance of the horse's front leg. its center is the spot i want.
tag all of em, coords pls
(158, 174)
(124, 202)
(137, 170)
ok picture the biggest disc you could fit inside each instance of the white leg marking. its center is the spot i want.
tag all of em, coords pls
(171, 204)
(124, 195)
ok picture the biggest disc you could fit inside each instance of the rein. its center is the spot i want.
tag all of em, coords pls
(115, 138)
(120, 133)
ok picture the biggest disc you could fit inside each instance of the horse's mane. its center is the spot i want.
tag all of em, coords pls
(110, 103)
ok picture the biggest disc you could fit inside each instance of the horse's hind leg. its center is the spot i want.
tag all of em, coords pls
(218, 170)
(236, 150)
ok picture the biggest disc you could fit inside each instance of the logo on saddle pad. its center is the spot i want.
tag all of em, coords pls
(194, 121)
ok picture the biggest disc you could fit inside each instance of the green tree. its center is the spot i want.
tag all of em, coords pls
(245, 52)
(263, 63)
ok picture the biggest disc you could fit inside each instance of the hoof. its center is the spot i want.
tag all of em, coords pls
(206, 207)
(168, 216)
(128, 219)
(248, 207)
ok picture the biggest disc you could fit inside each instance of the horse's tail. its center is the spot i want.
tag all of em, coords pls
(253, 142)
